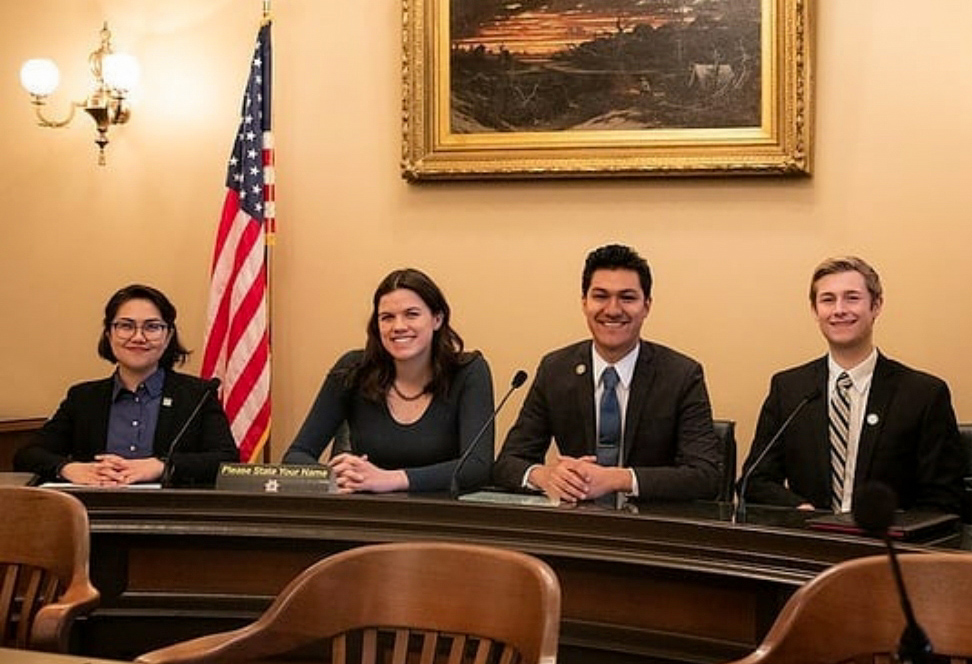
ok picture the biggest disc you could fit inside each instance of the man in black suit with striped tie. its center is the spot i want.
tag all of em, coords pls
(865, 418)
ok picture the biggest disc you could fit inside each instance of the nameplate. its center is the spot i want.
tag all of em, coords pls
(273, 478)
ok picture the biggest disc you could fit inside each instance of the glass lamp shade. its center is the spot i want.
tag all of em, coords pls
(40, 77)
(120, 71)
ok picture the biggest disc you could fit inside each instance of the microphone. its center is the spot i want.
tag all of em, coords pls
(518, 379)
(739, 514)
(166, 481)
(874, 505)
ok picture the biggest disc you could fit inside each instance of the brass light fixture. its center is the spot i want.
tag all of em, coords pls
(114, 73)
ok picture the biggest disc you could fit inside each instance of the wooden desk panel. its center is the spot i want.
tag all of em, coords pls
(672, 584)
(14, 434)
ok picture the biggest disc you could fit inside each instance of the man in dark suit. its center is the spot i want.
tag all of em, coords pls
(629, 417)
(866, 418)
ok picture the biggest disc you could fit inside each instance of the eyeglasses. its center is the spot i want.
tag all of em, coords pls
(152, 330)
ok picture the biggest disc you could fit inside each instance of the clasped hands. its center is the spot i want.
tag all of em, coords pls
(353, 473)
(572, 479)
(113, 470)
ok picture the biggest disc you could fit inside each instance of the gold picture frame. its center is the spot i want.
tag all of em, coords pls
(564, 88)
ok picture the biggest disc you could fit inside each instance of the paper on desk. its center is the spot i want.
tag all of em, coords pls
(70, 485)
(509, 499)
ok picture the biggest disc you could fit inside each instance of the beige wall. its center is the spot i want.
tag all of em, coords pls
(732, 257)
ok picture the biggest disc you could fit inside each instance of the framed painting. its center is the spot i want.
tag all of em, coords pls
(585, 88)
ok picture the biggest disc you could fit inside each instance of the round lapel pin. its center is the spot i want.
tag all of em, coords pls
(580, 369)
(872, 419)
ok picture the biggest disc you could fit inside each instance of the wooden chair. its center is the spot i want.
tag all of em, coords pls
(44, 582)
(422, 603)
(851, 612)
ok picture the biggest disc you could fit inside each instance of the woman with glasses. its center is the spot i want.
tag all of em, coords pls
(412, 400)
(143, 422)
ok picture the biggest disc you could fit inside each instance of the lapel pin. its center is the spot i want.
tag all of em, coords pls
(872, 418)
(580, 369)
(166, 401)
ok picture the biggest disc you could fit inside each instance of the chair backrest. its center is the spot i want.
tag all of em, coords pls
(965, 433)
(851, 612)
(726, 432)
(397, 603)
(44, 583)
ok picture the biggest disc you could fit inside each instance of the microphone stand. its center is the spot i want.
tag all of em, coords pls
(874, 505)
(739, 512)
(517, 381)
(914, 646)
(167, 468)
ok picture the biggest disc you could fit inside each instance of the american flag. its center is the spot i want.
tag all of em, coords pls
(237, 347)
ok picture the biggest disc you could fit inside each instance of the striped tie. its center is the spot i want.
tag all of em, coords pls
(839, 436)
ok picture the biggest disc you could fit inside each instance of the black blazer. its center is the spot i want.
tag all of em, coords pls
(668, 436)
(79, 430)
(909, 440)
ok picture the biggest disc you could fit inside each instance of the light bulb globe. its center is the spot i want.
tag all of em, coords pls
(40, 77)
(120, 71)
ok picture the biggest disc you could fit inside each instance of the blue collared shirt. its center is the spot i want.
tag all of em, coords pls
(134, 416)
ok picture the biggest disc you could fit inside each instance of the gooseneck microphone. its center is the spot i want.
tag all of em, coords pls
(874, 505)
(212, 387)
(518, 379)
(739, 514)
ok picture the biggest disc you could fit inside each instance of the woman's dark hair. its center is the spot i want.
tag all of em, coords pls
(376, 373)
(174, 352)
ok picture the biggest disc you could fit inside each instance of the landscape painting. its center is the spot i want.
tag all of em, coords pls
(594, 65)
(591, 88)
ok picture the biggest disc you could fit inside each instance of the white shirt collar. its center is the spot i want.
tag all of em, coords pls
(625, 366)
(860, 375)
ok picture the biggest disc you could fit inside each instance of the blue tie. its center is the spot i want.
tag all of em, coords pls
(609, 435)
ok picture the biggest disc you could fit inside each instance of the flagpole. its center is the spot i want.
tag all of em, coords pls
(267, 253)
(269, 230)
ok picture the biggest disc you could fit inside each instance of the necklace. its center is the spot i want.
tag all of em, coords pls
(405, 397)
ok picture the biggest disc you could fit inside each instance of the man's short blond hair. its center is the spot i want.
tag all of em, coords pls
(839, 264)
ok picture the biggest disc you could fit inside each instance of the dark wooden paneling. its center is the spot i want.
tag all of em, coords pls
(668, 584)
(14, 434)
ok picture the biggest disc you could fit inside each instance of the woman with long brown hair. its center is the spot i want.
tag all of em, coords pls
(413, 400)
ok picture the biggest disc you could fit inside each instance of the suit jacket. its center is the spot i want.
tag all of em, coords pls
(79, 430)
(909, 440)
(668, 436)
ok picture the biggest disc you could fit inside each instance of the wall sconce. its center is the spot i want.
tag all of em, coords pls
(115, 74)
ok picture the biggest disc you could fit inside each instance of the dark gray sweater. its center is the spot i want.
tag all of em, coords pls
(427, 450)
